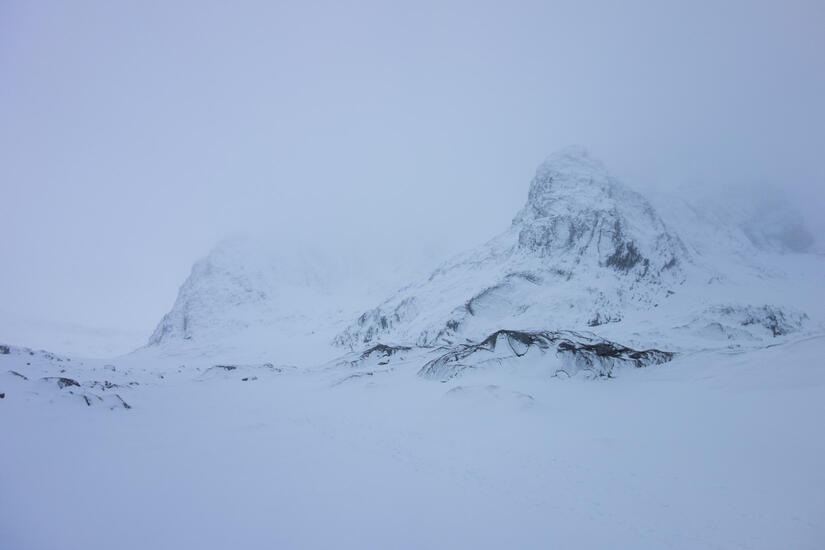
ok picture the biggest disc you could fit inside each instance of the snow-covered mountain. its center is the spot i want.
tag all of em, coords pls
(705, 324)
(238, 286)
(253, 298)
(249, 298)
(582, 251)
(585, 253)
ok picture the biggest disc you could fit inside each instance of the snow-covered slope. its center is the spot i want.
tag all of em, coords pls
(710, 450)
(706, 330)
(254, 295)
(582, 251)
(741, 225)
(247, 298)
(238, 286)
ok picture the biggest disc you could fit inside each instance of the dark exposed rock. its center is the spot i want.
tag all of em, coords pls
(774, 319)
(625, 257)
(469, 306)
(241, 372)
(375, 321)
(600, 319)
(754, 322)
(383, 350)
(62, 382)
(526, 275)
(670, 265)
(111, 401)
(353, 377)
(577, 351)
(15, 373)
(105, 385)
(4, 350)
(383, 354)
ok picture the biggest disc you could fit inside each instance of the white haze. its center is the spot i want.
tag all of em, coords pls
(597, 368)
(135, 136)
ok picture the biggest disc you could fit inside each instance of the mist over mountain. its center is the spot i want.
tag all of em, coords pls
(306, 275)
(258, 293)
(585, 252)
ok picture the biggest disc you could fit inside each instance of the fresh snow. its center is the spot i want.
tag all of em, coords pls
(711, 450)
(608, 372)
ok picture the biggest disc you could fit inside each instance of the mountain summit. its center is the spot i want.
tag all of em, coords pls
(576, 211)
(242, 284)
(583, 249)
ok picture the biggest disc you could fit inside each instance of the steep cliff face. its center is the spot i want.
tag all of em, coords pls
(578, 215)
(582, 251)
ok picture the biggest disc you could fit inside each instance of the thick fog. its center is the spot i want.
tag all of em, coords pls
(134, 136)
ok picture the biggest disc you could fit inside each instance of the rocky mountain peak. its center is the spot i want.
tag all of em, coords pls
(583, 249)
(571, 174)
(577, 212)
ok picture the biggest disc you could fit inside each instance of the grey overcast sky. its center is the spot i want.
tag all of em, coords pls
(135, 135)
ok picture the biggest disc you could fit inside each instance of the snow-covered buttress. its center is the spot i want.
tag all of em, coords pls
(582, 250)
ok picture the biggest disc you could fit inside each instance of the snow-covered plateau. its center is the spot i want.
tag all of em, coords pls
(610, 371)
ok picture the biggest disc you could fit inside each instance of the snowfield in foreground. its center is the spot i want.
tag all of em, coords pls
(711, 450)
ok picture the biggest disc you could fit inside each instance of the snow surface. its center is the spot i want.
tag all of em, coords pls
(603, 374)
(712, 450)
